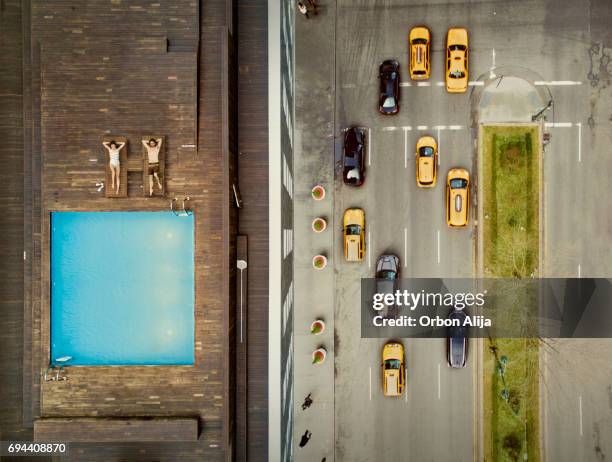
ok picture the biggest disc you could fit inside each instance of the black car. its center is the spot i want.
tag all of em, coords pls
(353, 156)
(389, 87)
(387, 275)
(457, 340)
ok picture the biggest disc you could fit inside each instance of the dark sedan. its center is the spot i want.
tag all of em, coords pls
(353, 156)
(389, 87)
(457, 341)
(387, 275)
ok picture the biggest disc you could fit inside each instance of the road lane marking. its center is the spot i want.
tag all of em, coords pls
(424, 84)
(405, 382)
(477, 83)
(422, 127)
(492, 68)
(405, 84)
(440, 127)
(558, 124)
(388, 129)
(579, 272)
(558, 83)
(579, 142)
(440, 84)
(369, 146)
(407, 127)
(439, 143)
(370, 383)
(405, 247)
(405, 148)
(348, 85)
(439, 382)
(580, 412)
(455, 127)
(438, 247)
(369, 250)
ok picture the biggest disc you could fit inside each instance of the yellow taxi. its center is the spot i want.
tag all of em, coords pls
(456, 60)
(457, 198)
(419, 41)
(354, 234)
(393, 374)
(426, 162)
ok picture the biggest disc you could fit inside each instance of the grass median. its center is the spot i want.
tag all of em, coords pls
(510, 194)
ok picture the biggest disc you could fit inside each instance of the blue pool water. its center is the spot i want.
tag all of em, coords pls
(122, 288)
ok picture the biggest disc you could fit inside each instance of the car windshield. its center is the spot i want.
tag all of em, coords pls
(389, 102)
(353, 174)
(456, 47)
(458, 183)
(352, 230)
(386, 274)
(456, 74)
(426, 151)
(419, 72)
(419, 41)
(392, 364)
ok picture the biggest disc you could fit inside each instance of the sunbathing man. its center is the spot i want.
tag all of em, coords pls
(153, 146)
(114, 150)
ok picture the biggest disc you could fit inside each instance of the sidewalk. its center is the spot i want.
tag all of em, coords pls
(314, 289)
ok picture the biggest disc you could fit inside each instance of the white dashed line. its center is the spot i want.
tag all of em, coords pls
(370, 383)
(439, 383)
(492, 68)
(579, 141)
(580, 413)
(369, 250)
(369, 147)
(405, 247)
(388, 129)
(455, 127)
(424, 84)
(438, 247)
(406, 127)
(405, 148)
(348, 85)
(579, 272)
(405, 84)
(558, 124)
(422, 127)
(476, 83)
(440, 84)
(405, 382)
(558, 83)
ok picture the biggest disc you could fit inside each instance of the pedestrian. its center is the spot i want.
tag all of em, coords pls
(313, 4)
(305, 438)
(302, 9)
(307, 402)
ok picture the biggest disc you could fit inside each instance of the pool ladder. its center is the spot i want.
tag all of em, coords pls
(180, 211)
(57, 377)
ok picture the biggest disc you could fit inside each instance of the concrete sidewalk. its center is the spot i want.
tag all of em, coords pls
(314, 289)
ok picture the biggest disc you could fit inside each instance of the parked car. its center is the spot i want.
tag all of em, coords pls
(457, 198)
(457, 341)
(426, 162)
(354, 234)
(353, 156)
(389, 87)
(456, 60)
(419, 53)
(393, 371)
(387, 277)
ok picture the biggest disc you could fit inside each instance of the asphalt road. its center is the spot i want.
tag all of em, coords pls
(549, 42)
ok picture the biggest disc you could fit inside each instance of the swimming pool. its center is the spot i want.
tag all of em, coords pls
(122, 288)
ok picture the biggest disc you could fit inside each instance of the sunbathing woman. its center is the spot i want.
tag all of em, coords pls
(114, 150)
(153, 146)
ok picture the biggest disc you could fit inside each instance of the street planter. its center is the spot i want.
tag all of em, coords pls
(318, 193)
(319, 262)
(317, 327)
(319, 225)
(319, 355)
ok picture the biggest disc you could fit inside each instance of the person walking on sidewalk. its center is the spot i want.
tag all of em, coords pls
(307, 402)
(302, 9)
(305, 438)
(313, 4)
